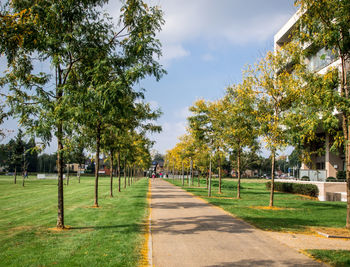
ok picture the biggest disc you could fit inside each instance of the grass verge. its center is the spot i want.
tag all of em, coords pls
(293, 213)
(111, 235)
(337, 258)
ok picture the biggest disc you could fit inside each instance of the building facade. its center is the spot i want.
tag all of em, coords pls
(328, 163)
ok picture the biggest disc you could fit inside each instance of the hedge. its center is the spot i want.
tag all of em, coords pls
(295, 188)
(331, 179)
(341, 175)
(305, 178)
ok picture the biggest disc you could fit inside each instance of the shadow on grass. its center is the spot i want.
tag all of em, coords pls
(325, 205)
(280, 223)
(126, 228)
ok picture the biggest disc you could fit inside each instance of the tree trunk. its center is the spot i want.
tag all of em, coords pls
(60, 199)
(111, 173)
(188, 177)
(209, 189)
(183, 174)
(119, 173)
(131, 175)
(239, 174)
(60, 210)
(199, 181)
(67, 174)
(15, 175)
(207, 178)
(346, 131)
(347, 155)
(272, 177)
(79, 173)
(124, 173)
(167, 169)
(128, 170)
(219, 174)
(24, 166)
(97, 162)
(192, 182)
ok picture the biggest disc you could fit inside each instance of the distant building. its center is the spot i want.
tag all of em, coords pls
(157, 167)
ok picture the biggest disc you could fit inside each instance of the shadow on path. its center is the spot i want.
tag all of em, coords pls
(192, 225)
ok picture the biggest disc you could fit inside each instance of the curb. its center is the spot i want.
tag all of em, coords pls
(333, 236)
(150, 252)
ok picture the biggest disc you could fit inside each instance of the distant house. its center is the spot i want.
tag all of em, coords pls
(160, 166)
(157, 167)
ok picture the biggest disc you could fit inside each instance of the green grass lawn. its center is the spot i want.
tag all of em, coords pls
(337, 258)
(298, 213)
(111, 235)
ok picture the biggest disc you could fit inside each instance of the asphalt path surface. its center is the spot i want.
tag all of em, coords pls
(186, 231)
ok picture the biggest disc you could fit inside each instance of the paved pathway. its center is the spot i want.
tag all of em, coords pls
(186, 231)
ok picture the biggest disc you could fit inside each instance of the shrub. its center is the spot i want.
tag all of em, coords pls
(331, 179)
(295, 188)
(305, 178)
(341, 175)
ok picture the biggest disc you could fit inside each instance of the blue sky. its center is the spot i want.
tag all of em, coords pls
(206, 44)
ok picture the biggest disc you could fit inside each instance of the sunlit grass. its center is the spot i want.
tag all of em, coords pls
(294, 213)
(338, 258)
(111, 235)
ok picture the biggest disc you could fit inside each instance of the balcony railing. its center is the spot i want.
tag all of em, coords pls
(314, 175)
(321, 59)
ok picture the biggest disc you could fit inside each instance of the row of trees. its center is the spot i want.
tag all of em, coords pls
(251, 164)
(279, 99)
(86, 100)
(19, 156)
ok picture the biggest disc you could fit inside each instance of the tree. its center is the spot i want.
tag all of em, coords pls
(68, 34)
(32, 155)
(78, 155)
(206, 129)
(105, 86)
(59, 32)
(325, 24)
(47, 163)
(240, 126)
(158, 157)
(295, 158)
(16, 150)
(19, 155)
(276, 88)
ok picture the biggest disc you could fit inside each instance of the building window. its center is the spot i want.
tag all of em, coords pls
(321, 59)
(320, 166)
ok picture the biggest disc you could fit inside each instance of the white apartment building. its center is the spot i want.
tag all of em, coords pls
(328, 164)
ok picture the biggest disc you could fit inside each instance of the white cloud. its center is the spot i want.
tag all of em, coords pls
(235, 22)
(173, 51)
